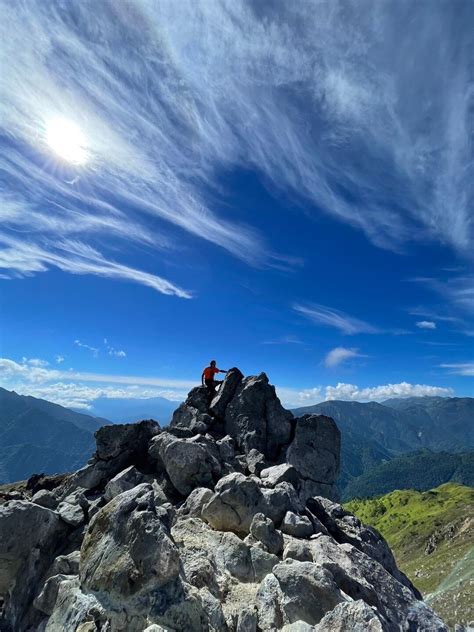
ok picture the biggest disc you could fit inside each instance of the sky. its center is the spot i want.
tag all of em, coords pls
(282, 187)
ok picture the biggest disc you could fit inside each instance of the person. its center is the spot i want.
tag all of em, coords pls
(207, 377)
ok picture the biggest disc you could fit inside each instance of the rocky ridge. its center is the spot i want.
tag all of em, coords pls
(227, 520)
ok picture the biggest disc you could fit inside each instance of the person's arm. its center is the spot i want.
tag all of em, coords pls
(202, 379)
(222, 371)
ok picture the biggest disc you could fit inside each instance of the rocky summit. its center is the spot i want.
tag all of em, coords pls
(227, 520)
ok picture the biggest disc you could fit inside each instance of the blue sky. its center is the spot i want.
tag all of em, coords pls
(284, 187)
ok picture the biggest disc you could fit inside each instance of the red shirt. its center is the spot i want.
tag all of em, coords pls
(209, 372)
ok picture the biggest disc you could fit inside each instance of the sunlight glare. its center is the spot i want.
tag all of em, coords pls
(67, 141)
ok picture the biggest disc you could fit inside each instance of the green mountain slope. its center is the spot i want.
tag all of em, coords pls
(419, 470)
(432, 536)
(39, 436)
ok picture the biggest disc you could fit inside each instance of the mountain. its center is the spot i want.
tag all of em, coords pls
(127, 410)
(373, 433)
(432, 536)
(39, 436)
(221, 522)
(419, 470)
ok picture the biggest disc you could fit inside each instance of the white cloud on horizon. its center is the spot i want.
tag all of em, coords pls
(338, 355)
(170, 95)
(351, 392)
(426, 324)
(75, 389)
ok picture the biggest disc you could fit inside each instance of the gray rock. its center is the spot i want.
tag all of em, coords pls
(255, 462)
(297, 550)
(296, 591)
(125, 443)
(235, 502)
(71, 514)
(195, 502)
(284, 473)
(247, 621)
(45, 498)
(279, 500)
(127, 551)
(66, 564)
(299, 626)
(29, 537)
(226, 392)
(234, 556)
(355, 616)
(256, 419)
(263, 529)
(46, 600)
(315, 449)
(262, 562)
(297, 526)
(189, 464)
(123, 481)
(74, 610)
(345, 527)
(188, 421)
(362, 577)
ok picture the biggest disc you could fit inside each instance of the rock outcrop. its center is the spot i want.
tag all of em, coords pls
(227, 521)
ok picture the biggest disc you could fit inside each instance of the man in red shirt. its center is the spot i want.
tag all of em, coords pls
(207, 377)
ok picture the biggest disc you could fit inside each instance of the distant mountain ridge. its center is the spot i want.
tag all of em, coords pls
(39, 436)
(373, 433)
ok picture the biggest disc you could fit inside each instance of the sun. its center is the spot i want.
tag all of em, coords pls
(67, 141)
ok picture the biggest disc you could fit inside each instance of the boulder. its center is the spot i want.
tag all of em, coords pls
(29, 538)
(127, 551)
(71, 514)
(279, 500)
(195, 502)
(235, 502)
(46, 600)
(226, 392)
(296, 591)
(45, 498)
(263, 529)
(284, 473)
(190, 464)
(355, 616)
(256, 419)
(315, 450)
(123, 481)
(297, 526)
(297, 550)
(345, 527)
(255, 462)
(66, 564)
(125, 443)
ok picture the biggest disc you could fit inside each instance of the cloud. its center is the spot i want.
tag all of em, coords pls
(284, 340)
(426, 324)
(78, 389)
(169, 95)
(94, 350)
(330, 317)
(351, 392)
(35, 362)
(59, 359)
(118, 353)
(338, 355)
(457, 290)
(466, 368)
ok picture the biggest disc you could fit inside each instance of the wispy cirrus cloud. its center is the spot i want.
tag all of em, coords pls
(330, 317)
(460, 368)
(315, 98)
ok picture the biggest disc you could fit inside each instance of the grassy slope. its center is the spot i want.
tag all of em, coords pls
(408, 519)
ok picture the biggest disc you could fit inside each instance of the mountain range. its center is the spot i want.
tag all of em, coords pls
(374, 433)
(39, 436)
